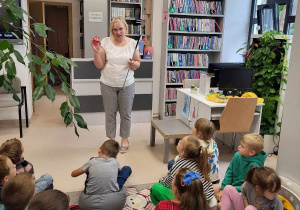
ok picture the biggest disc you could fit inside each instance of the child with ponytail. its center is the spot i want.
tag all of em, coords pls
(204, 130)
(260, 191)
(194, 157)
(188, 192)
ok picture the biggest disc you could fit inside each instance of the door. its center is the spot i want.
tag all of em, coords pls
(37, 12)
(58, 40)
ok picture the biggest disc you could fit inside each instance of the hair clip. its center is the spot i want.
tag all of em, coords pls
(182, 183)
(191, 176)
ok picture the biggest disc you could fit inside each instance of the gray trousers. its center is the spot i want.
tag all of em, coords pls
(117, 99)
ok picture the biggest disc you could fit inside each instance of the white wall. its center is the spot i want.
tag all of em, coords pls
(157, 7)
(288, 154)
(235, 29)
(91, 28)
(75, 24)
(22, 73)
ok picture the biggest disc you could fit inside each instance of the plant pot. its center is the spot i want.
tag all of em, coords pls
(269, 143)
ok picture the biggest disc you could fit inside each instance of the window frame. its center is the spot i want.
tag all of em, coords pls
(289, 18)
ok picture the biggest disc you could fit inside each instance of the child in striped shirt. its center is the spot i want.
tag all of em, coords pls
(193, 157)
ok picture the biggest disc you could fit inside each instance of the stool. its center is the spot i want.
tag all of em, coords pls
(169, 129)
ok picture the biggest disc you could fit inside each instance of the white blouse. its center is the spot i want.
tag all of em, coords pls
(115, 70)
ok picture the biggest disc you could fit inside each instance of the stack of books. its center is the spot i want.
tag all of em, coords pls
(194, 42)
(177, 76)
(188, 59)
(170, 109)
(171, 94)
(196, 7)
(192, 25)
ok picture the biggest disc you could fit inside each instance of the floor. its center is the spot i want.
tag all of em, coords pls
(53, 148)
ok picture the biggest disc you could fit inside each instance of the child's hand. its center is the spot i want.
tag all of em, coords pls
(219, 195)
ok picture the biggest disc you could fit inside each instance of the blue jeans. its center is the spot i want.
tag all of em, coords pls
(43, 183)
(123, 176)
(170, 164)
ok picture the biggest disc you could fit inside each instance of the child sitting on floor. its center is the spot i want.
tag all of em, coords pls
(194, 157)
(14, 149)
(104, 177)
(18, 191)
(250, 153)
(204, 130)
(260, 191)
(188, 192)
(49, 200)
(7, 171)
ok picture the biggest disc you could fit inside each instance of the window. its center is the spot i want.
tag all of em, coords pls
(272, 15)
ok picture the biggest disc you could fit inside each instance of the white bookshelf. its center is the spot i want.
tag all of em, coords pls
(213, 54)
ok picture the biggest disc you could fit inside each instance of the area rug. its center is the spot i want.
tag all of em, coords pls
(138, 197)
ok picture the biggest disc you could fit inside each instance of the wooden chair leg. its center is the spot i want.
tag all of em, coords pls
(20, 121)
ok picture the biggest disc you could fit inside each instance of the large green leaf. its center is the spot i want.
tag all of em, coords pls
(50, 55)
(41, 29)
(80, 121)
(31, 67)
(64, 88)
(68, 119)
(10, 15)
(45, 68)
(38, 93)
(64, 109)
(10, 69)
(17, 11)
(74, 101)
(4, 45)
(72, 63)
(37, 60)
(52, 77)
(76, 132)
(50, 92)
(15, 96)
(19, 57)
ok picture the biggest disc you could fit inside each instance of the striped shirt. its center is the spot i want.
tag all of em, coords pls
(192, 165)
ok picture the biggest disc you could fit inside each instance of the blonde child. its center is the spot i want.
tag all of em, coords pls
(204, 130)
(260, 191)
(250, 153)
(188, 192)
(14, 149)
(194, 157)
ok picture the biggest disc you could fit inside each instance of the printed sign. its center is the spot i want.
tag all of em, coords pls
(96, 17)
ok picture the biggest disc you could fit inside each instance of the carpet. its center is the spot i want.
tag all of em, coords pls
(74, 196)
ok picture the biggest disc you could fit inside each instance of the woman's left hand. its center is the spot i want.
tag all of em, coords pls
(131, 64)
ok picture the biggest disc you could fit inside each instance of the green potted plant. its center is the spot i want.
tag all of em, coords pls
(9, 56)
(266, 55)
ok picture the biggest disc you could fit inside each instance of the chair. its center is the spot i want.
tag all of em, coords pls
(236, 117)
(6, 100)
(187, 83)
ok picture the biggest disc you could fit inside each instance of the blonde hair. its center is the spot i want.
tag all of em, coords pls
(194, 151)
(206, 128)
(254, 141)
(117, 19)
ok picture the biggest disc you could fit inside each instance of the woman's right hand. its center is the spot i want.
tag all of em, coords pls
(96, 46)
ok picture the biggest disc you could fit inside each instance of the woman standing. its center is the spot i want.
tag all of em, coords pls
(114, 56)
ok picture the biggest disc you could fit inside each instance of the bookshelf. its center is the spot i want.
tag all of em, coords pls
(191, 39)
(131, 10)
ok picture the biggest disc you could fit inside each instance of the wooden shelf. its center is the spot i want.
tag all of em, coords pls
(187, 67)
(119, 2)
(195, 32)
(192, 50)
(195, 15)
(174, 84)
